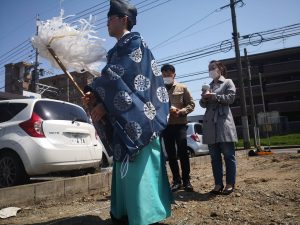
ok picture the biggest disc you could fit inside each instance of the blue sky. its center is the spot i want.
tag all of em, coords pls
(171, 28)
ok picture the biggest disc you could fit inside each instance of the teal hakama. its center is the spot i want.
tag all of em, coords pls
(133, 93)
(144, 194)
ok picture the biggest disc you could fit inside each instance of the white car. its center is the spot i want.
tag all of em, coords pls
(40, 136)
(107, 158)
(195, 146)
(194, 140)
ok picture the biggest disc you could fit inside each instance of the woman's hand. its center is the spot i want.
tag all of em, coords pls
(207, 96)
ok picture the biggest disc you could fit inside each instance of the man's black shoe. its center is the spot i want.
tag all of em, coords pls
(175, 187)
(188, 187)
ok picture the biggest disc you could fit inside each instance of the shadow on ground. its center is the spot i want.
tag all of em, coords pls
(184, 196)
(79, 220)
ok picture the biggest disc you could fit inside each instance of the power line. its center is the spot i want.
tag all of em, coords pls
(191, 74)
(15, 29)
(92, 11)
(189, 35)
(292, 30)
(77, 14)
(14, 54)
(196, 79)
(28, 54)
(140, 12)
(19, 45)
(72, 19)
(103, 9)
(155, 6)
(193, 24)
(185, 29)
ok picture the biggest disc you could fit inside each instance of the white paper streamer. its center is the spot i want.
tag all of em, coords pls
(76, 45)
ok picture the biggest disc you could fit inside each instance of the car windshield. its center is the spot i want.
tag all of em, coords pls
(49, 110)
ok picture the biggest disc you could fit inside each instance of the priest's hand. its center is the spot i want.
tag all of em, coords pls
(89, 100)
(98, 112)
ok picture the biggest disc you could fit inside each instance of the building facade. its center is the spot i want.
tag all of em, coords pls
(66, 91)
(275, 84)
(18, 79)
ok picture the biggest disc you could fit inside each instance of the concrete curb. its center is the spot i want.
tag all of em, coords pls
(76, 186)
(62, 188)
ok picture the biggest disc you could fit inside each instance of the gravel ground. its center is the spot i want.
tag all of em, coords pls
(267, 192)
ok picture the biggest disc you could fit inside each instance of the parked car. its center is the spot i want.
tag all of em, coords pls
(107, 158)
(40, 136)
(194, 140)
(107, 154)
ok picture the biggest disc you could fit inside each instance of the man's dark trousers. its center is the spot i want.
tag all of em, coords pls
(177, 134)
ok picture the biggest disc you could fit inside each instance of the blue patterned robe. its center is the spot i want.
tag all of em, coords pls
(131, 89)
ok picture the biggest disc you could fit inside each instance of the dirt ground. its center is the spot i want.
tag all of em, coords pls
(267, 192)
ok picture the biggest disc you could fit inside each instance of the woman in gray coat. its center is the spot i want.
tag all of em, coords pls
(219, 130)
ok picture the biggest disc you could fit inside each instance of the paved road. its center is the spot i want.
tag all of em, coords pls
(288, 150)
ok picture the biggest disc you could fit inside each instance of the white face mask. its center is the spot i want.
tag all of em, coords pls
(168, 80)
(214, 74)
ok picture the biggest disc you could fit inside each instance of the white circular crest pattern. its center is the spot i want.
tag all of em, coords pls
(162, 94)
(122, 101)
(136, 55)
(133, 130)
(115, 72)
(101, 92)
(141, 83)
(155, 69)
(149, 110)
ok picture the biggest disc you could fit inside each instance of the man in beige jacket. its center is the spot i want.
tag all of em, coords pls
(181, 104)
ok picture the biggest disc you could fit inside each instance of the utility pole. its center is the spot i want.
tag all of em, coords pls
(264, 109)
(68, 90)
(35, 72)
(262, 92)
(253, 119)
(244, 117)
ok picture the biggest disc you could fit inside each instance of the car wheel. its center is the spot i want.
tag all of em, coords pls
(12, 171)
(104, 162)
(191, 152)
(90, 170)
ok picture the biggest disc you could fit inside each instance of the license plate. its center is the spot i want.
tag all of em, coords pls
(77, 140)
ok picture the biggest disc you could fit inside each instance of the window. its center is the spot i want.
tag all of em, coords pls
(198, 129)
(48, 110)
(10, 110)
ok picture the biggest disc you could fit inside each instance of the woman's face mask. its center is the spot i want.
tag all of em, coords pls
(214, 73)
(168, 80)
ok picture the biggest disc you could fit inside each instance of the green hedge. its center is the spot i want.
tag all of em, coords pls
(290, 139)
